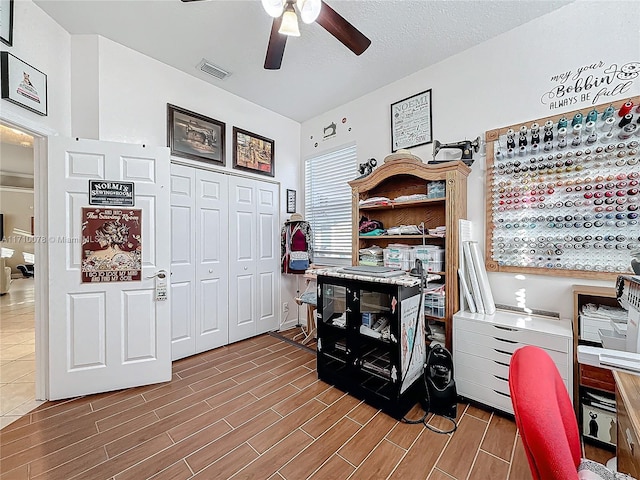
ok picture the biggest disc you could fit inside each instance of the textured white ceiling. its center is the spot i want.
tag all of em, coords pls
(318, 73)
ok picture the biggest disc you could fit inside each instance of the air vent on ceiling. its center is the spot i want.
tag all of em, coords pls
(211, 69)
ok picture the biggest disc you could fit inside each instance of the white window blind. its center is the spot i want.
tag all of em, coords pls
(327, 202)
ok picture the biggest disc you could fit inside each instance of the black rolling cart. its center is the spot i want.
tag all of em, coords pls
(371, 340)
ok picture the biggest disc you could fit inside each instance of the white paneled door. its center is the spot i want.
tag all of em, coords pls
(254, 258)
(106, 335)
(183, 261)
(199, 264)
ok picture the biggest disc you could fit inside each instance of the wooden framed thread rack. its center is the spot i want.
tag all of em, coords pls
(562, 193)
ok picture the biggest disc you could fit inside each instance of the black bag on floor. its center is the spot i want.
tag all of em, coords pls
(442, 395)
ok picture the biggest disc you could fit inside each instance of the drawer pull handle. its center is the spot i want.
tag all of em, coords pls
(504, 340)
(506, 328)
(501, 363)
(502, 351)
(501, 378)
(503, 394)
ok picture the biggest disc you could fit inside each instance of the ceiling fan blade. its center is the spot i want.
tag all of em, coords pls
(186, 1)
(337, 26)
(275, 50)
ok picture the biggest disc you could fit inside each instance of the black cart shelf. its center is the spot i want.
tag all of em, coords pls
(382, 366)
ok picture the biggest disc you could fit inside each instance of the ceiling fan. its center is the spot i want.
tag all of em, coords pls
(285, 24)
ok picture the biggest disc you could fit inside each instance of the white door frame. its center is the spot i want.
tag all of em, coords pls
(40, 133)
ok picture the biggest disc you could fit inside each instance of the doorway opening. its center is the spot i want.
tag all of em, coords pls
(18, 269)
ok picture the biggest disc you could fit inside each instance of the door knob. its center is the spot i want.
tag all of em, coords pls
(161, 274)
(245, 268)
(211, 270)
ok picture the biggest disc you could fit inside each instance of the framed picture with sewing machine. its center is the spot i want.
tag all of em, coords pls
(253, 153)
(194, 136)
(411, 121)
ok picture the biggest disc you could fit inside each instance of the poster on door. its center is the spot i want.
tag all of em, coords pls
(111, 245)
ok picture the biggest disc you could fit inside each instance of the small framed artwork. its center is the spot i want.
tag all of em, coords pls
(411, 121)
(291, 201)
(194, 136)
(6, 22)
(253, 152)
(23, 84)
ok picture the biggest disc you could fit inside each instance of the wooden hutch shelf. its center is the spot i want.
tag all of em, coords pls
(405, 177)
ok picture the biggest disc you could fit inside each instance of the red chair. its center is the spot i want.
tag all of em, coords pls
(544, 415)
(547, 422)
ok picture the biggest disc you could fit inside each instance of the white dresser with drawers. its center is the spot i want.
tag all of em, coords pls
(483, 345)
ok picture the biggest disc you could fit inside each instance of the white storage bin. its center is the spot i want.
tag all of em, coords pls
(432, 257)
(434, 304)
(612, 340)
(425, 253)
(399, 256)
(435, 267)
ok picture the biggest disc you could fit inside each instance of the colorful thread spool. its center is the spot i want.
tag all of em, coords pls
(608, 112)
(626, 108)
(592, 116)
(625, 120)
(577, 119)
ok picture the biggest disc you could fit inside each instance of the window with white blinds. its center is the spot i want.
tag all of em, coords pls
(327, 202)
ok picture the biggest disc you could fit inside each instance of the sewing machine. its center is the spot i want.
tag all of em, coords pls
(467, 147)
(622, 351)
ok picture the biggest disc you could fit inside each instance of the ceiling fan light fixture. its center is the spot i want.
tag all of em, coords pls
(274, 8)
(289, 24)
(309, 9)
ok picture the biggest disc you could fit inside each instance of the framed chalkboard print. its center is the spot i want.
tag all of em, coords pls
(23, 84)
(6, 22)
(411, 121)
(291, 201)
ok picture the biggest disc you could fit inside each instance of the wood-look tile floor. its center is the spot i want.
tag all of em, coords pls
(250, 410)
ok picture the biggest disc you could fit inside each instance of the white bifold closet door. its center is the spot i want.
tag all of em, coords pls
(199, 261)
(225, 259)
(254, 258)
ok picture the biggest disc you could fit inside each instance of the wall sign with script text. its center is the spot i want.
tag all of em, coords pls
(411, 121)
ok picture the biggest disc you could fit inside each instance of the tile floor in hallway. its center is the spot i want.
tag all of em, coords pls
(17, 351)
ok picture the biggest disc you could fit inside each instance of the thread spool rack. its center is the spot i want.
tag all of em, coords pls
(563, 193)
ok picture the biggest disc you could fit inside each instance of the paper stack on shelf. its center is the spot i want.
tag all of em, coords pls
(372, 255)
(440, 231)
(595, 317)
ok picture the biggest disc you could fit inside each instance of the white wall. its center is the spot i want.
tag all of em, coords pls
(45, 45)
(495, 84)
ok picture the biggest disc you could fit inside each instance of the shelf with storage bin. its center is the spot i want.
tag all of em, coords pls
(588, 378)
(405, 177)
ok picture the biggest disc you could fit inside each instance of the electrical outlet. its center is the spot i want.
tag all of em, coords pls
(285, 307)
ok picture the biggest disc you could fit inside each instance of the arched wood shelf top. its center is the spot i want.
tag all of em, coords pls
(408, 166)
